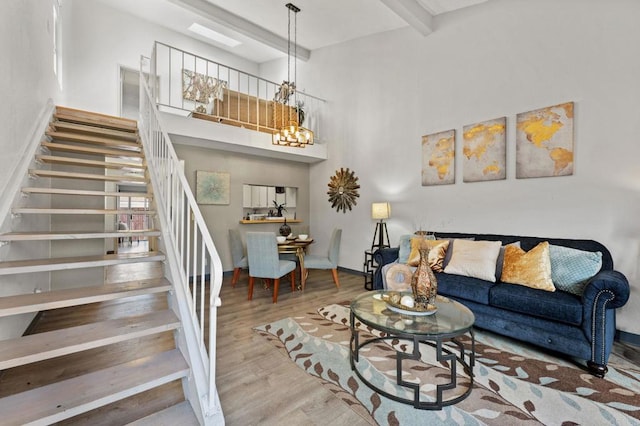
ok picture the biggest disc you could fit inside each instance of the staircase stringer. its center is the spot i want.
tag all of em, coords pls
(11, 195)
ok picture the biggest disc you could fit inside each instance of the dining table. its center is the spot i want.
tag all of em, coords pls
(298, 247)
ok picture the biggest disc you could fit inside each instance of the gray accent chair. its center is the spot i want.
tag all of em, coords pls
(330, 261)
(238, 256)
(262, 253)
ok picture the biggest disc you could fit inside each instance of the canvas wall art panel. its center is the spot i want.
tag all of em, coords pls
(212, 187)
(484, 151)
(201, 88)
(438, 158)
(544, 142)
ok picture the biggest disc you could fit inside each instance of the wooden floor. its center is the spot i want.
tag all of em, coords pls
(257, 384)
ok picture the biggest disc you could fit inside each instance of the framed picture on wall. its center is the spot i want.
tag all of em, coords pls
(484, 151)
(212, 187)
(544, 142)
(438, 158)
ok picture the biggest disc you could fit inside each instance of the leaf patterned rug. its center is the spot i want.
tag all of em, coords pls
(514, 383)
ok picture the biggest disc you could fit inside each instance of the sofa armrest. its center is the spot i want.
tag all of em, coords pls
(604, 293)
(610, 289)
(382, 257)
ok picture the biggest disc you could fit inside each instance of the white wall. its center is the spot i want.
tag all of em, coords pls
(493, 60)
(99, 39)
(26, 67)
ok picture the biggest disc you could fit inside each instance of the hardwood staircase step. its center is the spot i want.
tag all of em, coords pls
(70, 161)
(91, 150)
(66, 126)
(76, 262)
(35, 302)
(52, 403)
(87, 176)
(95, 119)
(38, 347)
(81, 192)
(180, 414)
(28, 210)
(85, 235)
(90, 140)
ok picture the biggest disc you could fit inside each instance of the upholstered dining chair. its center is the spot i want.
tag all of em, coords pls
(262, 253)
(330, 261)
(238, 256)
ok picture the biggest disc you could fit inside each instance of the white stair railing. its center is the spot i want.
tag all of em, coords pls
(193, 261)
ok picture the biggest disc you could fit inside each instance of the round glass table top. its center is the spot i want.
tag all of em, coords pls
(451, 317)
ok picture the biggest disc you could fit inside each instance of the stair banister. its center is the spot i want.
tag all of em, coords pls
(190, 251)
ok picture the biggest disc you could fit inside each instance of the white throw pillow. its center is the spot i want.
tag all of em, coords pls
(474, 259)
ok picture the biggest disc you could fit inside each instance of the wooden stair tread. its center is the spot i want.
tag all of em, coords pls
(90, 140)
(180, 414)
(91, 150)
(51, 344)
(95, 119)
(87, 176)
(35, 302)
(29, 210)
(75, 262)
(83, 192)
(70, 235)
(65, 399)
(70, 161)
(85, 129)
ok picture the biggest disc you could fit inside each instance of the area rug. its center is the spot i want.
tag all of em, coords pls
(514, 383)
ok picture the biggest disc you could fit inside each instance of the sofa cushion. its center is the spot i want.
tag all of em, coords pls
(464, 288)
(404, 248)
(474, 259)
(437, 251)
(572, 268)
(556, 306)
(530, 269)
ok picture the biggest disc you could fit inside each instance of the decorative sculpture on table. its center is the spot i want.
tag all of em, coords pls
(423, 282)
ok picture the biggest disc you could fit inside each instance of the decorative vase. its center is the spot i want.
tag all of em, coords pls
(423, 282)
(285, 229)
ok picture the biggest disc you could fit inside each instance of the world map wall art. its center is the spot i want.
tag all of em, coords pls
(438, 158)
(485, 151)
(544, 142)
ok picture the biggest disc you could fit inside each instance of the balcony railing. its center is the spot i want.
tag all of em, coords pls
(187, 83)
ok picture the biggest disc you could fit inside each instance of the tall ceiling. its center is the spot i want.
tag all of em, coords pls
(261, 25)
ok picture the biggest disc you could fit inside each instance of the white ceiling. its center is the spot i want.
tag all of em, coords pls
(261, 25)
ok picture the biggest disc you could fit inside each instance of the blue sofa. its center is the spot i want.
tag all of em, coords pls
(582, 327)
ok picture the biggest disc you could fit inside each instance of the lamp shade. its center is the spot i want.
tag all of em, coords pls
(380, 211)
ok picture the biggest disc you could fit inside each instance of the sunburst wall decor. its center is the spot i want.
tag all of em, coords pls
(343, 190)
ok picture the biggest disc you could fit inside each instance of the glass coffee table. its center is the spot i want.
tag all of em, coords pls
(439, 331)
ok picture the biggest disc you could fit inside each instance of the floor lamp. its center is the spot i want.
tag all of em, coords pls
(380, 212)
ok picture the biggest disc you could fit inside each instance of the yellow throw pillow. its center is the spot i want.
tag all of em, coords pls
(437, 251)
(531, 269)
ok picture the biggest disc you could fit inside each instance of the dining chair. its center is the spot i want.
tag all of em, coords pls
(330, 261)
(238, 256)
(262, 253)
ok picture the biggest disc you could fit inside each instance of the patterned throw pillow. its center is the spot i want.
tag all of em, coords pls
(572, 268)
(474, 259)
(530, 269)
(404, 248)
(437, 251)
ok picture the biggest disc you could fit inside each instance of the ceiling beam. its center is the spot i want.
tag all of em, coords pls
(414, 13)
(239, 24)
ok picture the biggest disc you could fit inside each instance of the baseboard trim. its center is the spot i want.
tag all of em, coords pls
(626, 337)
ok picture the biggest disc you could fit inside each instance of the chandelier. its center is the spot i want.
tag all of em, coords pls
(291, 134)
